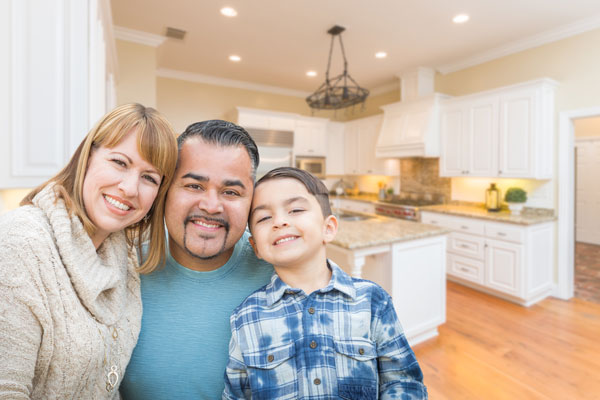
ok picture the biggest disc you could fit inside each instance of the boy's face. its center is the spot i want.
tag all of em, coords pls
(287, 224)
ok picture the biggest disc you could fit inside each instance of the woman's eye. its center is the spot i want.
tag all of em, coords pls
(151, 179)
(119, 162)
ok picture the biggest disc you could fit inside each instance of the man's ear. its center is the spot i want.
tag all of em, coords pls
(253, 244)
(330, 228)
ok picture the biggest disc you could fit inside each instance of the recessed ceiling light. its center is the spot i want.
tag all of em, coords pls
(381, 54)
(460, 18)
(235, 58)
(228, 12)
(311, 73)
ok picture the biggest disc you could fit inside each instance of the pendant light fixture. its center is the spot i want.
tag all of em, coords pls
(341, 91)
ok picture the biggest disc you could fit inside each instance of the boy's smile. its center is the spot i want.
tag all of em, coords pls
(287, 224)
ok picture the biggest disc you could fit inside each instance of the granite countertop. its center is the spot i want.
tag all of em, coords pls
(379, 230)
(529, 216)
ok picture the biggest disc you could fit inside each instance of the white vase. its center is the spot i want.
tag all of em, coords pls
(515, 208)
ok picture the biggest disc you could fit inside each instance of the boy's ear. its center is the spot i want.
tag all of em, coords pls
(330, 227)
(253, 244)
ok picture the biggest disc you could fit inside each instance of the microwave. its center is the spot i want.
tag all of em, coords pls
(314, 165)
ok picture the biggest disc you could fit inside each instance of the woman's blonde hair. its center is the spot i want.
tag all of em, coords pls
(157, 145)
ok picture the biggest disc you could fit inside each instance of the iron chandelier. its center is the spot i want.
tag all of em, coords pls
(341, 91)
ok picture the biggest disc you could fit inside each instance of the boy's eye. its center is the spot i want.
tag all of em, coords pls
(296, 210)
(261, 219)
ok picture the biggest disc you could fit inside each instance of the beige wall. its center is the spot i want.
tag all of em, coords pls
(184, 102)
(587, 127)
(137, 74)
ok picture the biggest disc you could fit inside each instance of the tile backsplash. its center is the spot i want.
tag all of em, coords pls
(422, 175)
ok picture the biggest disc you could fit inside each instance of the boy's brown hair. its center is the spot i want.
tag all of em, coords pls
(312, 184)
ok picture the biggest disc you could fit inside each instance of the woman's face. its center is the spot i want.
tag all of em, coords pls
(119, 187)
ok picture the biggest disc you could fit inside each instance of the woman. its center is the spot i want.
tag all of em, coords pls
(70, 307)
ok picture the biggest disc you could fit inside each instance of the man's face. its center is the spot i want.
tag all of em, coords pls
(208, 203)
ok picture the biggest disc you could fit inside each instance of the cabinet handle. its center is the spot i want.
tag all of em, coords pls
(464, 227)
(463, 269)
(433, 222)
(501, 234)
(499, 172)
(464, 246)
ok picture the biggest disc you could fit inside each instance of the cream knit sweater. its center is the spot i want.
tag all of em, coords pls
(60, 300)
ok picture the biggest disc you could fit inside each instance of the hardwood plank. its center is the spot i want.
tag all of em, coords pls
(492, 349)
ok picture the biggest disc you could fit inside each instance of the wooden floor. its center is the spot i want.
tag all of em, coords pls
(492, 349)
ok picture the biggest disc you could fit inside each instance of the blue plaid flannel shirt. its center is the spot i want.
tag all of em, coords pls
(342, 341)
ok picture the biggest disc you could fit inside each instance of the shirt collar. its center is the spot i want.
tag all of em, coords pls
(339, 281)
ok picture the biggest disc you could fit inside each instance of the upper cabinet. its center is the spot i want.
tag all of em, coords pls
(57, 77)
(335, 162)
(360, 139)
(310, 137)
(505, 133)
(264, 119)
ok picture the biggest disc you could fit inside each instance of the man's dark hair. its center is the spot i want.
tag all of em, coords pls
(222, 133)
(313, 185)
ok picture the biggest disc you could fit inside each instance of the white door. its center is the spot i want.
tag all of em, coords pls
(503, 266)
(454, 147)
(483, 137)
(587, 191)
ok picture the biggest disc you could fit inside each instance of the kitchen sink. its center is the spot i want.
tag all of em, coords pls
(352, 217)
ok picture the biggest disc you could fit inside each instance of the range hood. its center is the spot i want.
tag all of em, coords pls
(411, 127)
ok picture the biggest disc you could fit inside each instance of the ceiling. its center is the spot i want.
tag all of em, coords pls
(280, 40)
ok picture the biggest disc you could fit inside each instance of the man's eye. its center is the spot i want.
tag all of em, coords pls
(231, 193)
(193, 186)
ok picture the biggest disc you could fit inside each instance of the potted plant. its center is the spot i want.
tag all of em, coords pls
(515, 197)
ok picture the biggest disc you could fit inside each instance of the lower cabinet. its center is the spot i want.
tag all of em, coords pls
(515, 262)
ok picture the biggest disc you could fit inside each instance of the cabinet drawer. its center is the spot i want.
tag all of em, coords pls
(510, 233)
(437, 219)
(466, 268)
(469, 225)
(467, 245)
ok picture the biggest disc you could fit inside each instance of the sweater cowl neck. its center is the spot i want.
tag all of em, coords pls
(99, 277)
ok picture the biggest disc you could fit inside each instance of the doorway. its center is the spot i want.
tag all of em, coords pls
(566, 199)
(587, 209)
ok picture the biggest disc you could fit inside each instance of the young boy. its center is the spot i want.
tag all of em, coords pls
(313, 332)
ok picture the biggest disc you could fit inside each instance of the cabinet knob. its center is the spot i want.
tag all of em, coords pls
(499, 172)
(464, 227)
(501, 234)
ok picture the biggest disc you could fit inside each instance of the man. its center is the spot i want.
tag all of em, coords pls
(183, 346)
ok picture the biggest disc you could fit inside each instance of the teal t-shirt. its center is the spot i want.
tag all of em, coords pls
(183, 346)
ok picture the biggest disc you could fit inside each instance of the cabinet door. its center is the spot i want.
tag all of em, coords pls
(482, 151)
(251, 120)
(454, 143)
(335, 149)
(351, 149)
(368, 163)
(310, 139)
(503, 266)
(517, 124)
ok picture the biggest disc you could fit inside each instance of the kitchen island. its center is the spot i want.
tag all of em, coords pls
(408, 259)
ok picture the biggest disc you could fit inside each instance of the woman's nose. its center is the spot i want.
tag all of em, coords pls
(129, 184)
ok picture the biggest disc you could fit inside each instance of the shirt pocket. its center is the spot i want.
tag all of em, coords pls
(356, 368)
(272, 372)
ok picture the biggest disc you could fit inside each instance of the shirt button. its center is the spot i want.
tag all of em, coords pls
(313, 345)
(317, 381)
(270, 357)
(361, 351)
(311, 310)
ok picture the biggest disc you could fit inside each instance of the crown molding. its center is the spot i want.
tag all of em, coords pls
(213, 80)
(145, 38)
(388, 87)
(553, 35)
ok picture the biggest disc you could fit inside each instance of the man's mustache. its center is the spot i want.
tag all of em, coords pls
(220, 221)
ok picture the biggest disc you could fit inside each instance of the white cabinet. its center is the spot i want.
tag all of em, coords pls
(264, 119)
(310, 137)
(335, 149)
(360, 138)
(506, 132)
(56, 79)
(508, 260)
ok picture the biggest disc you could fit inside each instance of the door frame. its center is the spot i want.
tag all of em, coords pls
(566, 199)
